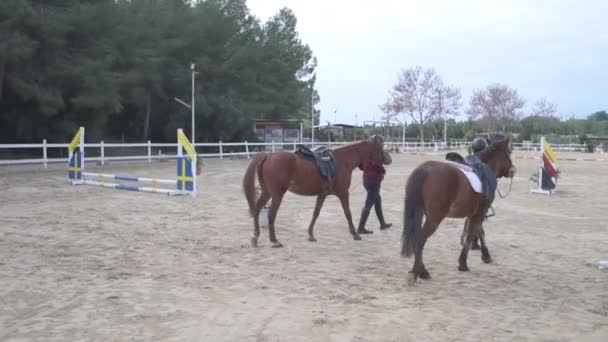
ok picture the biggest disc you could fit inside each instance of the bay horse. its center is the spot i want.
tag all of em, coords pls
(279, 172)
(436, 190)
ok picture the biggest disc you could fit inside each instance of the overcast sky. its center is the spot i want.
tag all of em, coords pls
(557, 49)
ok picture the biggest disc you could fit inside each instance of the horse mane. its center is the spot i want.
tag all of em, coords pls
(353, 151)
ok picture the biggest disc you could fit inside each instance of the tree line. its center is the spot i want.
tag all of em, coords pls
(423, 97)
(116, 67)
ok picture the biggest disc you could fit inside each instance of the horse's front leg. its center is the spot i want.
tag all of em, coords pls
(318, 205)
(474, 240)
(485, 253)
(472, 230)
(343, 197)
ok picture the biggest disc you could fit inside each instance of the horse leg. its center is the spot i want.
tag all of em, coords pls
(473, 229)
(485, 253)
(428, 229)
(272, 214)
(343, 196)
(318, 205)
(264, 197)
(474, 243)
(463, 236)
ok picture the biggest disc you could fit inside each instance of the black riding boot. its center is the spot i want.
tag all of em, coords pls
(380, 214)
(364, 215)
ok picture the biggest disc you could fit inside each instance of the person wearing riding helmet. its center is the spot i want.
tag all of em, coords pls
(487, 178)
(373, 174)
(479, 145)
(486, 175)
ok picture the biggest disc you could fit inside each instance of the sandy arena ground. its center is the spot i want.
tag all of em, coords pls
(85, 263)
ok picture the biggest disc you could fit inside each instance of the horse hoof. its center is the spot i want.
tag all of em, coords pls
(487, 260)
(254, 242)
(424, 275)
(411, 278)
(464, 268)
(356, 237)
(277, 244)
(312, 239)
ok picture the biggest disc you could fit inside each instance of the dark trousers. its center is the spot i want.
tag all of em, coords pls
(372, 200)
(373, 194)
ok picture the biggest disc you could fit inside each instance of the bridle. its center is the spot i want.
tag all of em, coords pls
(491, 148)
(511, 172)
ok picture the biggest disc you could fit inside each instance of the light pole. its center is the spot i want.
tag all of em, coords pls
(191, 106)
(193, 126)
(404, 123)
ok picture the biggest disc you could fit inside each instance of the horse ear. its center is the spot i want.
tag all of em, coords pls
(378, 139)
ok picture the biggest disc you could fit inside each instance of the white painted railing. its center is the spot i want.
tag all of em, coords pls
(231, 149)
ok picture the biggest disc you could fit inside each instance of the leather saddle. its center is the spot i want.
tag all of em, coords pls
(479, 168)
(323, 158)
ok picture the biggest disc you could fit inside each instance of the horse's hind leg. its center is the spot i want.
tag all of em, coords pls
(485, 253)
(264, 197)
(272, 215)
(428, 229)
(315, 215)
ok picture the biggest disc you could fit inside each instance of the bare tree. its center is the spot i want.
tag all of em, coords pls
(544, 108)
(497, 105)
(544, 111)
(421, 95)
(446, 101)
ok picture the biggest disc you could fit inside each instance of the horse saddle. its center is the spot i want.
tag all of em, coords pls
(473, 164)
(323, 158)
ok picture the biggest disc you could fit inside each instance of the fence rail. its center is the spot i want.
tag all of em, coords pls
(98, 152)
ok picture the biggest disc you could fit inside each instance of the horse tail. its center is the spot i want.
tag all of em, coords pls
(249, 180)
(414, 210)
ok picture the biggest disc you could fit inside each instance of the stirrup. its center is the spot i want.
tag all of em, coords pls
(490, 215)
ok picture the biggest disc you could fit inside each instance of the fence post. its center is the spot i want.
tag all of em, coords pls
(247, 149)
(294, 146)
(221, 151)
(272, 145)
(149, 151)
(44, 152)
(102, 153)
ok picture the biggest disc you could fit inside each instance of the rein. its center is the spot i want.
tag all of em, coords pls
(512, 170)
(508, 192)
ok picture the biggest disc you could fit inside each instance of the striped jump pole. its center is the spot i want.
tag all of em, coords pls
(547, 169)
(184, 184)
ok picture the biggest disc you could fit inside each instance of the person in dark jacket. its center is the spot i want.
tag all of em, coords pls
(373, 174)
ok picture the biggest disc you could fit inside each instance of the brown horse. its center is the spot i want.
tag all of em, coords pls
(279, 172)
(438, 190)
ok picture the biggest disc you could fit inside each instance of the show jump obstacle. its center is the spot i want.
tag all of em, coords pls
(547, 170)
(185, 184)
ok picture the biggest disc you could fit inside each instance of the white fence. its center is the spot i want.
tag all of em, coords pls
(154, 151)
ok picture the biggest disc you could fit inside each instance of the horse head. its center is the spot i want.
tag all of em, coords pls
(498, 155)
(375, 150)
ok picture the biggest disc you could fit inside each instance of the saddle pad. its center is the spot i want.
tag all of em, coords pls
(473, 180)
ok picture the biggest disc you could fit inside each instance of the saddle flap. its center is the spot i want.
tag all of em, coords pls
(323, 158)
